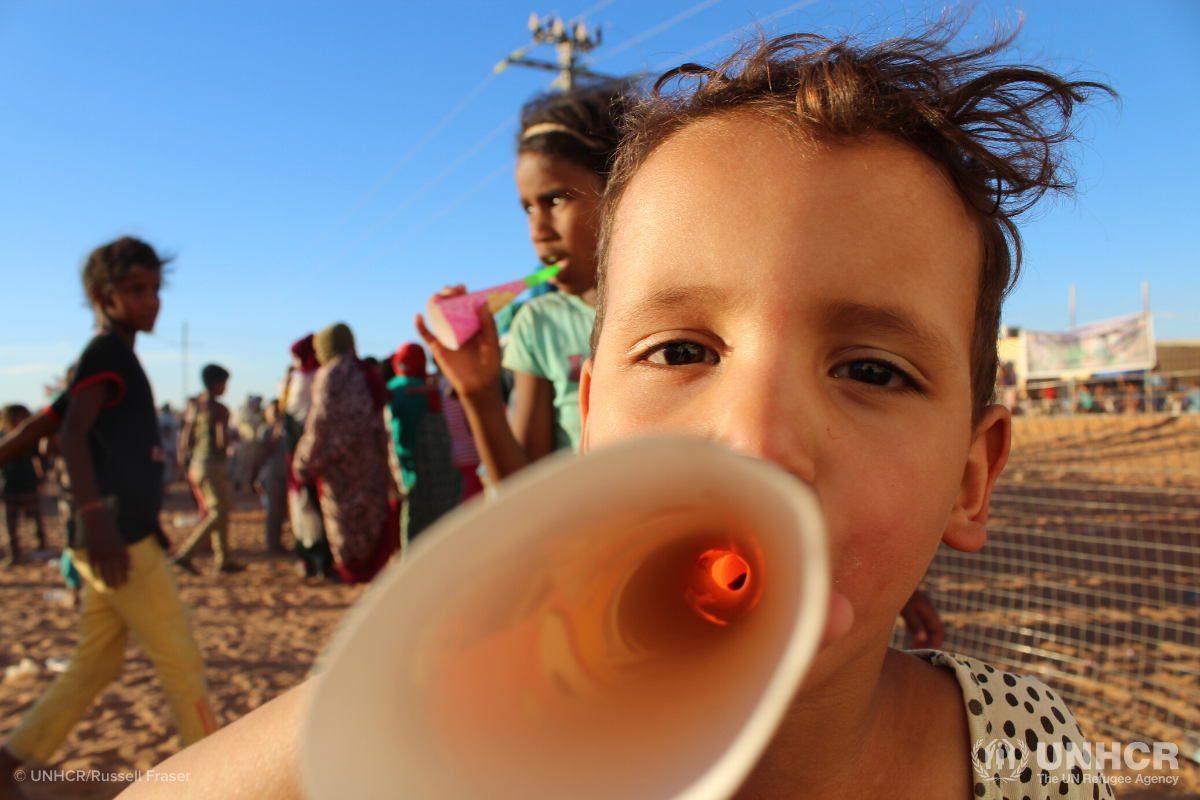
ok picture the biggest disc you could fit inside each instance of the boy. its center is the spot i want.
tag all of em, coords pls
(112, 450)
(803, 258)
(204, 439)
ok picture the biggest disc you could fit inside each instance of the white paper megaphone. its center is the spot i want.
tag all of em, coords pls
(630, 624)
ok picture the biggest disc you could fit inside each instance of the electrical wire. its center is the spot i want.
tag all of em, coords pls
(601, 5)
(421, 226)
(657, 29)
(434, 217)
(408, 201)
(674, 60)
(393, 170)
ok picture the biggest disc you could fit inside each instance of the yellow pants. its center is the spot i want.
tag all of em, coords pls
(212, 478)
(147, 604)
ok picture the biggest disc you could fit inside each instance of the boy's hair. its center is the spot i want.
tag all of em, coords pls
(12, 416)
(583, 125)
(212, 374)
(111, 263)
(998, 130)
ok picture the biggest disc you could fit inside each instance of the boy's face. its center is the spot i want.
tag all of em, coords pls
(811, 305)
(134, 301)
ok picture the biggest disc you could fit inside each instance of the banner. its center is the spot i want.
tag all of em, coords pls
(1124, 344)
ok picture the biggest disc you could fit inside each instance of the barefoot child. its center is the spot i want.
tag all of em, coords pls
(803, 258)
(112, 450)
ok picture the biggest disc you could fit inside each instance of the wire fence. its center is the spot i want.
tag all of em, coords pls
(1090, 578)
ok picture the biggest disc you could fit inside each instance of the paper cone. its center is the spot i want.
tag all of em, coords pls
(454, 320)
(630, 624)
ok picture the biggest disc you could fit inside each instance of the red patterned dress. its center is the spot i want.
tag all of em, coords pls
(345, 446)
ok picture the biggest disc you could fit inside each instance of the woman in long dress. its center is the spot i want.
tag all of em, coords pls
(344, 444)
(432, 484)
(304, 504)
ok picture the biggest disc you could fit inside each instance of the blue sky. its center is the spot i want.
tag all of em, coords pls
(310, 162)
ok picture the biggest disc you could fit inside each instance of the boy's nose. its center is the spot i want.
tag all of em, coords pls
(765, 417)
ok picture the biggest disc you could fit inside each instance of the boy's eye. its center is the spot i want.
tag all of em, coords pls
(676, 354)
(876, 373)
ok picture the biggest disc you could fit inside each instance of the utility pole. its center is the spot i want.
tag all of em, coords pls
(1071, 327)
(1149, 386)
(184, 346)
(570, 42)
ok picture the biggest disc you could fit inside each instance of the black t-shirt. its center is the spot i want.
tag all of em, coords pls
(58, 410)
(59, 407)
(127, 454)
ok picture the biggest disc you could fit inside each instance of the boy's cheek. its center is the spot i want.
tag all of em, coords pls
(620, 410)
(884, 524)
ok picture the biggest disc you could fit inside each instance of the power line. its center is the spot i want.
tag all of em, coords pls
(474, 149)
(657, 29)
(425, 223)
(731, 35)
(395, 168)
(437, 215)
(413, 151)
(602, 4)
(391, 214)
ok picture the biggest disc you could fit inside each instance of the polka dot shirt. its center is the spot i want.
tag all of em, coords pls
(1026, 744)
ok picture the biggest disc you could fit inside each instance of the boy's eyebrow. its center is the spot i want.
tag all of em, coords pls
(668, 299)
(888, 321)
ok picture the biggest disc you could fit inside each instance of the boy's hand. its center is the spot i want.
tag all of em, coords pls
(107, 555)
(923, 622)
(474, 368)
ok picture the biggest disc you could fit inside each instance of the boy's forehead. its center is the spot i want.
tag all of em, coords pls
(143, 269)
(744, 200)
(139, 272)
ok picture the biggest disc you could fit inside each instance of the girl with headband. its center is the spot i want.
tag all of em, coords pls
(564, 153)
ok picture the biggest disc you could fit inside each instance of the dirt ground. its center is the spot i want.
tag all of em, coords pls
(1090, 578)
(260, 631)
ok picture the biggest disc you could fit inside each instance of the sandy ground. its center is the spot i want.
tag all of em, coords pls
(260, 631)
(1091, 576)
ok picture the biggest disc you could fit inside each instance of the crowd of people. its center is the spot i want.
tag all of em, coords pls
(843, 345)
(1119, 394)
(358, 455)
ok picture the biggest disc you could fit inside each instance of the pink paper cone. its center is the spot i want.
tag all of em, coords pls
(454, 320)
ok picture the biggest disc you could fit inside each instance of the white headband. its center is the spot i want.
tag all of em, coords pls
(556, 127)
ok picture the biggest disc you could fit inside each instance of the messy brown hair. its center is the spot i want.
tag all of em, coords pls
(111, 263)
(999, 131)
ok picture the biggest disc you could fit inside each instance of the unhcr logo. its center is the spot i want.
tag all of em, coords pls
(999, 760)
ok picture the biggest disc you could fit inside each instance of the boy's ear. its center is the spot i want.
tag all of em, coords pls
(966, 530)
(585, 390)
(95, 295)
